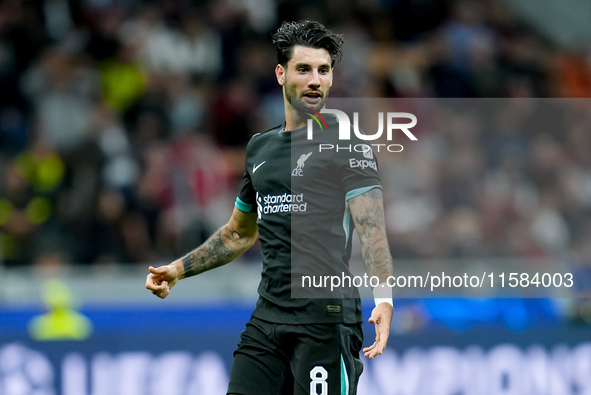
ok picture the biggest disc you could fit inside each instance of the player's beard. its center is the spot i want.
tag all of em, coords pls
(297, 103)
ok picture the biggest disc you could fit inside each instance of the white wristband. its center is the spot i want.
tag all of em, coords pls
(383, 294)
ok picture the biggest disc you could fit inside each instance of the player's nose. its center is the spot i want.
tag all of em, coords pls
(314, 81)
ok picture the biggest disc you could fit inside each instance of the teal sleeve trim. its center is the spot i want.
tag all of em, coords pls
(244, 207)
(360, 191)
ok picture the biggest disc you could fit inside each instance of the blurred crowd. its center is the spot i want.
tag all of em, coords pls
(123, 124)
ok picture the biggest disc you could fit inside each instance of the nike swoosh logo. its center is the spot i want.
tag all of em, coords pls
(257, 166)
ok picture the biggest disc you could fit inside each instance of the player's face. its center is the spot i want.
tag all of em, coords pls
(308, 78)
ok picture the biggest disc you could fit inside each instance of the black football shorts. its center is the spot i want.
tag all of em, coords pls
(284, 359)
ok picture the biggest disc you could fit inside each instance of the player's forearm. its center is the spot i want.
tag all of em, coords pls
(376, 257)
(368, 216)
(222, 247)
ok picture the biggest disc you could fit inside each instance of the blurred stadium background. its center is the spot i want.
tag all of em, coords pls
(123, 125)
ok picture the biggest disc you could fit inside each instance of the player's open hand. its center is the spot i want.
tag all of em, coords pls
(381, 317)
(162, 279)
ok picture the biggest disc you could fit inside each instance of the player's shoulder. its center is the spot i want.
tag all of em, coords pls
(267, 133)
(275, 129)
(264, 136)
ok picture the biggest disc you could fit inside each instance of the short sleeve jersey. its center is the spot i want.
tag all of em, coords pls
(299, 188)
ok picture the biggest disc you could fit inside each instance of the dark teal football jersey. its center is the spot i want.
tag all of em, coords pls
(299, 189)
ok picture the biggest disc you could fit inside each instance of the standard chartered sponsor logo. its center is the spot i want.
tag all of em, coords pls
(286, 203)
(363, 163)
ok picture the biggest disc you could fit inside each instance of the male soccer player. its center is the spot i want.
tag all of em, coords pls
(299, 200)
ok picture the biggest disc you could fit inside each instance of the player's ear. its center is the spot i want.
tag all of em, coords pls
(280, 74)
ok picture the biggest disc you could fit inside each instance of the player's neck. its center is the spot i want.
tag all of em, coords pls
(294, 122)
(294, 119)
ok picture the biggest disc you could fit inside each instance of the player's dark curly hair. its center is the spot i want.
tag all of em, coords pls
(309, 34)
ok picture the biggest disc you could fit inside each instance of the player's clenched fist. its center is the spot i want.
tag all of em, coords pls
(162, 279)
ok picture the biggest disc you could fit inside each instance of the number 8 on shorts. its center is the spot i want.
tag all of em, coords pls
(318, 375)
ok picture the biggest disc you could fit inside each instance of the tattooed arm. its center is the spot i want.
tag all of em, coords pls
(367, 211)
(226, 244)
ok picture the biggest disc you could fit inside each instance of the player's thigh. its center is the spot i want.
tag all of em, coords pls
(326, 360)
(351, 342)
(259, 366)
